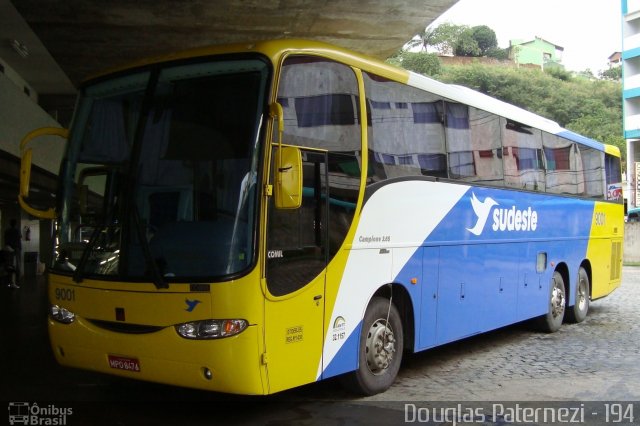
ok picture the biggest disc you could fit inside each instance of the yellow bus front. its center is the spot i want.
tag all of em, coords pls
(157, 270)
(169, 336)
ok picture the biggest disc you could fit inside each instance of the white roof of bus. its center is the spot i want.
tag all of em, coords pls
(479, 100)
(487, 103)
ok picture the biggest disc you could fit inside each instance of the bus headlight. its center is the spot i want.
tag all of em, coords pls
(211, 329)
(61, 314)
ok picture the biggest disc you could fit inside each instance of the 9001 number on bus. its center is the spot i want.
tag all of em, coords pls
(65, 294)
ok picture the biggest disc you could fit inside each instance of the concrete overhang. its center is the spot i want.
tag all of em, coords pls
(86, 36)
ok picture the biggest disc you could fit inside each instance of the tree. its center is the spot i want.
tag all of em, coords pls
(498, 53)
(466, 44)
(461, 40)
(485, 37)
(614, 73)
(424, 40)
(442, 38)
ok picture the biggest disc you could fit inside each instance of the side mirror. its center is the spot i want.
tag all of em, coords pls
(288, 173)
(25, 169)
(288, 166)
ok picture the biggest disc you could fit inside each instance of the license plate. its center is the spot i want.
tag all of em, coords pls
(124, 363)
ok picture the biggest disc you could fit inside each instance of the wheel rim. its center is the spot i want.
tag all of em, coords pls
(582, 295)
(380, 346)
(557, 299)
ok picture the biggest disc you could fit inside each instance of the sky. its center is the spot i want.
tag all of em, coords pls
(589, 30)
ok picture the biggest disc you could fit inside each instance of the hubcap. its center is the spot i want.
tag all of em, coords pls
(380, 347)
(582, 295)
(557, 300)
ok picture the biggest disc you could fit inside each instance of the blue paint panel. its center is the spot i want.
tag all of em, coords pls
(533, 287)
(426, 333)
(347, 357)
(412, 269)
(555, 217)
(487, 278)
(477, 289)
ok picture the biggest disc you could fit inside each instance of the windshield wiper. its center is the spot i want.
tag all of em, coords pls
(158, 280)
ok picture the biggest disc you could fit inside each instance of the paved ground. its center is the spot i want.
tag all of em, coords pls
(596, 361)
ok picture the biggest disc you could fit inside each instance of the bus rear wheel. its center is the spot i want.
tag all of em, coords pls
(552, 321)
(380, 349)
(578, 312)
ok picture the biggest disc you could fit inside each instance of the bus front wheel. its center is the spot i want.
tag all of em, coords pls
(552, 321)
(379, 351)
(578, 312)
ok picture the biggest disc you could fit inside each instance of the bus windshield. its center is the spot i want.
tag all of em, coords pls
(160, 174)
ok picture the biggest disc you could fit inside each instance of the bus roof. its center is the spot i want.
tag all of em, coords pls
(487, 103)
(273, 49)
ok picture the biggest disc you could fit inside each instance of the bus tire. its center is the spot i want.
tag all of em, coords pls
(552, 321)
(578, 312)
(380, 349)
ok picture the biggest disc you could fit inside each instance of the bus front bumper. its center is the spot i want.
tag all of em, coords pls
(230, 365)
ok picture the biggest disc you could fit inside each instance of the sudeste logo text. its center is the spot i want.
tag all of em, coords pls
(504, 219)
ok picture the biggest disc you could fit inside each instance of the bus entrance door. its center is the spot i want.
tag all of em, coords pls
(295, 273)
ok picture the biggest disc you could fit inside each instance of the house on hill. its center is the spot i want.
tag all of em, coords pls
(615, 59)
(538, 52)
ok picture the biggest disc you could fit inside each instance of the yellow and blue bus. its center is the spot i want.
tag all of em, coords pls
(254, 217)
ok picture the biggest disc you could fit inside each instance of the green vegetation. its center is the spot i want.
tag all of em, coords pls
(422, 63)
(614, 74)
(578, 102)
(460, 40)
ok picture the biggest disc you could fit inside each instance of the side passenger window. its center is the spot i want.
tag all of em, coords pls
(522, 156)
(563, 163)
(406, 131)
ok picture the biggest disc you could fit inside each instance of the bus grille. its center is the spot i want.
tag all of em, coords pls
(120, 327)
